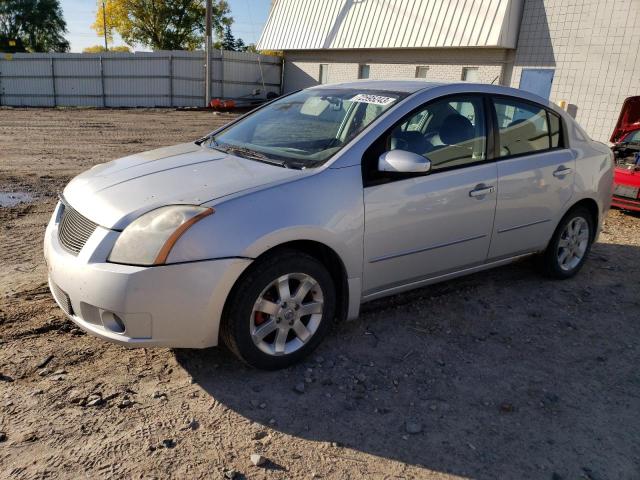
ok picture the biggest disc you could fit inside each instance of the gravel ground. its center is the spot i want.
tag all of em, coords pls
(502, 374)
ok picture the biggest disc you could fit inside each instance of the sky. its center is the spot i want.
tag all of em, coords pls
(249, 18)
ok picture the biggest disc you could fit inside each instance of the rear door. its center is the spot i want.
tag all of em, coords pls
(535, 176)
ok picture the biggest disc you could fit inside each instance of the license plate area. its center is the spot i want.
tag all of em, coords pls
(626, 191)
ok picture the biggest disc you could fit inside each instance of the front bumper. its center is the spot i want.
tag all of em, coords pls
(176, 305)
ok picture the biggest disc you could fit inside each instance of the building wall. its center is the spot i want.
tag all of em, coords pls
(302, 68)
(594, 47)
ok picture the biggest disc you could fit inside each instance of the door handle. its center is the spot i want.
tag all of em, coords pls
(561, 172)
(481, 190)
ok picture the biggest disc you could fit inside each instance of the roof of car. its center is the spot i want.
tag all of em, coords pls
(409, 86)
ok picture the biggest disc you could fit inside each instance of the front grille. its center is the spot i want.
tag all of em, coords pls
(74, 230)
(62, 298)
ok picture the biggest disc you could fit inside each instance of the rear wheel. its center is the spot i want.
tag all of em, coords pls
(279, 311)
(568, 249)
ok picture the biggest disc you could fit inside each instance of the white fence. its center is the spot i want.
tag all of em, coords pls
(142, 79)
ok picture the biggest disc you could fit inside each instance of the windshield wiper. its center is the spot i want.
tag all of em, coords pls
(245, 153)
(214, 144)
(252, 155)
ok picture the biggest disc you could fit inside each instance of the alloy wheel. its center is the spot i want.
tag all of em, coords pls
(573, 244)
(286, 314)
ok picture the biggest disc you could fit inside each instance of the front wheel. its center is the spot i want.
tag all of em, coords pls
(279, 311)
(568, 249)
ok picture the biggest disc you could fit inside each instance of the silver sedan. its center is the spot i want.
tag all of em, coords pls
(267, 230)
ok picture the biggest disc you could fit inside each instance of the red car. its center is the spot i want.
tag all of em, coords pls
(626, 137)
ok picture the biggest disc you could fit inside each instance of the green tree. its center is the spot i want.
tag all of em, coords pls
(240, 46)
(32, 26)
(251, 48)
(229, 42)
(161, 25)
(100, 49)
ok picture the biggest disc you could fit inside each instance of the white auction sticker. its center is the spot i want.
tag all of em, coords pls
(375, 99)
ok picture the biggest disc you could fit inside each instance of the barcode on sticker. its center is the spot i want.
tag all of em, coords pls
(375, 99)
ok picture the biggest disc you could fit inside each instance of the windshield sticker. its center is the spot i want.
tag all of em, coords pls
(375, 99)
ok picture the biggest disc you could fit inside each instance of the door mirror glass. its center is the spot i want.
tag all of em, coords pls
(402, 161)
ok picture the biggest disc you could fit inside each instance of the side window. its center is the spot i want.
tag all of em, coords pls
(323, 73)
(522, 127)
(422, 71)
(449, 132)
(371, 112)
(471, 74)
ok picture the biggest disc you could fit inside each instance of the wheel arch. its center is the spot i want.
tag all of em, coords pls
(325, 255)
(592, 206)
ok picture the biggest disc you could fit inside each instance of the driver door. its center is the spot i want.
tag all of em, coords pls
(422, 226)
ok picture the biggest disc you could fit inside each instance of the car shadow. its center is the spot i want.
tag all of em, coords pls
(503, 374)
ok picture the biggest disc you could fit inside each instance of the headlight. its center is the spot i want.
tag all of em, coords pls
(149, 239)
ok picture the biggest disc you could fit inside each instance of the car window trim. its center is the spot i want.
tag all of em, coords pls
(496, 128)
(489, 137)
(563, 130)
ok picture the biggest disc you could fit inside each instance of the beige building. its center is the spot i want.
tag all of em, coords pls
(583, 52)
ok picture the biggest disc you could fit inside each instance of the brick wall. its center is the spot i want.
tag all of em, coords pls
(593, 45)
(302, 68)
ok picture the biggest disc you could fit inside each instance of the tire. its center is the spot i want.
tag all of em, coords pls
(576, 248)
(259, 304)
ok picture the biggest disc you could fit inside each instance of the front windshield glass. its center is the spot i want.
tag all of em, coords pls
(306, 128)
(633, 137)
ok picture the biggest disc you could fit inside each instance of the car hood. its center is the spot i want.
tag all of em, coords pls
(114, 194)
(628, 120)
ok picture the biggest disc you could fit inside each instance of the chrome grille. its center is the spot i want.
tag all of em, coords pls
(74, 230)
(62, 298)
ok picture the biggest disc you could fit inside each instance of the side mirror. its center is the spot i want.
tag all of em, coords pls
(402, 161)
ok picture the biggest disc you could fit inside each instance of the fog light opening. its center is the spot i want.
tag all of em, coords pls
(113, 322)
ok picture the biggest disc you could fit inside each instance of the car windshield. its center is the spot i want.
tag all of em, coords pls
(633, 137)
(306, 128)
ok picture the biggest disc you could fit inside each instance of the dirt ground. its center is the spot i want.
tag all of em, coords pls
(503, 374)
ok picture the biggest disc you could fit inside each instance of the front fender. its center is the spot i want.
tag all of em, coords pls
(326, 208)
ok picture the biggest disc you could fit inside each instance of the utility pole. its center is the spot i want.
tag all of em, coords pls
(104, 22)
(207, 53)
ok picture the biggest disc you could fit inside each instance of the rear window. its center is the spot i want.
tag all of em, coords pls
(525, 127)
(522, 127)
